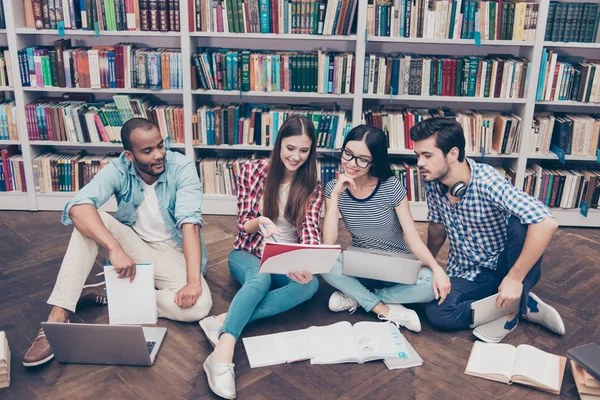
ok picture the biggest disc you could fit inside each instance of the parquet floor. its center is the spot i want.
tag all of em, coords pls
(31, 249)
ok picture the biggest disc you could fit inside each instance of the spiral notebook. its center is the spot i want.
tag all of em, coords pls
(131, 303)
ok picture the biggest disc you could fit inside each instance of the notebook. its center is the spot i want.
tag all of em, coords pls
(485, 310)
(282, 258)
(131, 303)
(279, 348)
(523, 364)
(413, 359)
(4, 361)
(580, 382)
(362, 342)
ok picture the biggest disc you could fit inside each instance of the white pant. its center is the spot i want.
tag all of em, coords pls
(169, 271)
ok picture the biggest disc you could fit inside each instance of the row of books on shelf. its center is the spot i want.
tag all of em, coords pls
(5, 68)
(571, 78)
(310, 17)
(564, 188)
(66, 172)
(573, 22)
(104, 15)
(121, 66)
(404, 74)
(453, 19)
(486, 131)
(274, 71)
(574, 134)
(259, 124)
(12, 170)
(101, 121)
(8, 119)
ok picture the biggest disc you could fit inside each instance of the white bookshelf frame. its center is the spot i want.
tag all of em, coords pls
(17, 37)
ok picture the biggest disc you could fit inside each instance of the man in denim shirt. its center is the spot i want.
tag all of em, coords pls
(158, 221)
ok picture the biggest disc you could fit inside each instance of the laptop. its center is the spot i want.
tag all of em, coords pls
(485, 310)
(104, 344)
(381, 265)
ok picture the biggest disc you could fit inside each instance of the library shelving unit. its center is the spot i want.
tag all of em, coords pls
(17, 36)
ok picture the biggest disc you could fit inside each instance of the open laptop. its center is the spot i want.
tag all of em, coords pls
(104, 344)
(381, 265)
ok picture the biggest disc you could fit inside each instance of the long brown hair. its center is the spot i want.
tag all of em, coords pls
(305, 181)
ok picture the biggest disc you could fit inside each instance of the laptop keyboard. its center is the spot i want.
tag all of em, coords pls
(150, 345)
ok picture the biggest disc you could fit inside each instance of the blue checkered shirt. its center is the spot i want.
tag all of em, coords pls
(476, 225)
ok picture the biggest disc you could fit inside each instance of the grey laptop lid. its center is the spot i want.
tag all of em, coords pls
(103, 344)
(381, 265)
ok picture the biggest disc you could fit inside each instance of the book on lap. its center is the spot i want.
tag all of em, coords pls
(131, 303)
(282, 258)
(523, 364)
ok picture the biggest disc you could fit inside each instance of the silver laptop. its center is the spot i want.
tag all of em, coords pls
(381, 265)
(485, 310)
(104, 344)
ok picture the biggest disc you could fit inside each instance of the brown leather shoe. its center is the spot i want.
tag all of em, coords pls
(93, 295)
(40, 351)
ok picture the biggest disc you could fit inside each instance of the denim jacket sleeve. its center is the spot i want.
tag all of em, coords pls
(188, 200)
(97, 192)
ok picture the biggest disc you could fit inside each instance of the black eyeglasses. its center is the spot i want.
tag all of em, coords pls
(360, 162)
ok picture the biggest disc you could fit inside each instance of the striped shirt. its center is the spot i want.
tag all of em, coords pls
(372, 221)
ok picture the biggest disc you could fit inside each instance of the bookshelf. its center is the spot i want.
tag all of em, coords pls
(17, 36)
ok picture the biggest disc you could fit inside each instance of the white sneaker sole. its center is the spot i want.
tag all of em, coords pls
(36, 363)
(561, 324)
(211, 385)
(485, 338)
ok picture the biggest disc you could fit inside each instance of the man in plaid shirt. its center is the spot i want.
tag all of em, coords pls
(497, 235)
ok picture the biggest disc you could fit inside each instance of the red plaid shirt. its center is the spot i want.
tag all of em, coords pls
(250, 191)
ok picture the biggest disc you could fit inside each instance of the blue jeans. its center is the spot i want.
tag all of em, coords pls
(261, 295)
(386, 292)
(455, 312)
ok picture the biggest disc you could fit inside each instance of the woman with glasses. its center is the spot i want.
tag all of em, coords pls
(375, 210)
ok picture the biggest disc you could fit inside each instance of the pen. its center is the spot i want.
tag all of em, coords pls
(272, 236)
(104, 272)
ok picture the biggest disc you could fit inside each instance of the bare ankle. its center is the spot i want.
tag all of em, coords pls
(381, 309)
(58, 314)
(224, 349)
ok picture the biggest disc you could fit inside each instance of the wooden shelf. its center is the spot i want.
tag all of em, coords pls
(13, 201)
(56, 201)
(98, 145)
(444, 99)
(104, 90)
(6, 89)
(80, 32)
(273, 36)
(9, 142)
(567, 104)
(553, 156)
(458, 42)
(283, 95)
(572, 45)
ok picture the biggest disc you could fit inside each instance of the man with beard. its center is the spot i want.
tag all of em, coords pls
(497, 234)
(158, 221)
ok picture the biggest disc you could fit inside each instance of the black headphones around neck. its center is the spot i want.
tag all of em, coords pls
(457, 190)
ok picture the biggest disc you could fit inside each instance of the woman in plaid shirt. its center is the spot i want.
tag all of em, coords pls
(279, 196)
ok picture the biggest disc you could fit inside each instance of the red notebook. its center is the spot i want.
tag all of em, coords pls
(282, 258)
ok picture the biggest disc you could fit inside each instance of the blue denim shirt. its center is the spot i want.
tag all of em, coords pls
(178, 191)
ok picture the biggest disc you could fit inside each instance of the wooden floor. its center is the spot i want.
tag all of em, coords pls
(31, 249)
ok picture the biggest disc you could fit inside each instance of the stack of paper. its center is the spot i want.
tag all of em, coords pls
(587, 386)
(4, 361)
(413, 359)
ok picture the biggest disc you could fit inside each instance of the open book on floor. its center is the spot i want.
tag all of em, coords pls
(364, 341)
(332, 344)
(524, 364)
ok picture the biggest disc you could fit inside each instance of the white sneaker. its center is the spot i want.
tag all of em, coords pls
(211, 327)
(341, 302)
(400, 315)
(544, 315)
